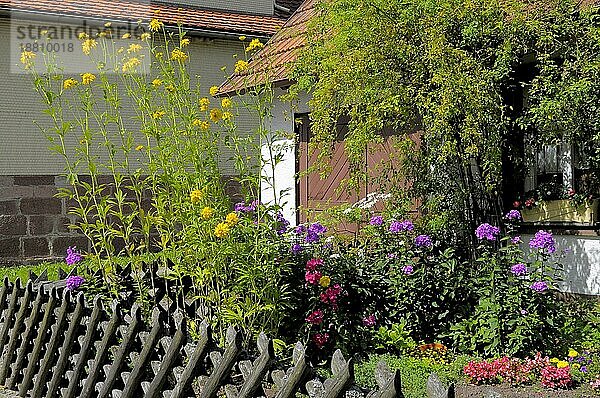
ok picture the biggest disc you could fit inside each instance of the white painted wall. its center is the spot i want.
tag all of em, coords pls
(581, 262)
(279, 181)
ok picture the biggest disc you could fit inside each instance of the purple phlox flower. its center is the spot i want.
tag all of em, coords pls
(317, 228)
(244, 208)
(73, 282)
(401, 226)
(516, 240)
(487, 231)
(408, 269)
(282, 223)
(376, 220)
(423, 241)
(539, 286)
(311, 237)
(544, 241)
(72, 256)
(513, 215)
(583, 369)
(518, 269)
(369, 321)
(297, 248)
(300, 229)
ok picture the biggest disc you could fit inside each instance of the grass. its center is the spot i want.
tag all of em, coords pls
(22, 271)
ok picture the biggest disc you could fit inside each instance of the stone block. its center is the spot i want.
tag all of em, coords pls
(36, 247)
(44, 191)
(61, 243)
(6, 181)
(62, 225)
(9, 207)
(41, 206)
(41, 225)
(34, 180)
(13, 225)
(10, 247)
(15, 192)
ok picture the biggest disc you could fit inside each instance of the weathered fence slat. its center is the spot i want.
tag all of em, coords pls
(388, 382)
(334, 387)
(31, 326)
(437, 389)
(52, 349)
(58, 372)
(38, 344)
(9, 314)
(102, 352)
(15, 332)
(195, 359)
(222, 363)
(85, 347)
(289, 382)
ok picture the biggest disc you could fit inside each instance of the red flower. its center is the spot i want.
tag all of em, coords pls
(516, 204)
(553, 377)
(315, 317)
(313, 263)
(313, 277)
(530, 202)
(571, 192)
(321, 339)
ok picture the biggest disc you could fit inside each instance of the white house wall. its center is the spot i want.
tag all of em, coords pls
(581, 259)
(279, 185)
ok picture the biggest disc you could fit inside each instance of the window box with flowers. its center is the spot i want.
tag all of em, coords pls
(561, 187)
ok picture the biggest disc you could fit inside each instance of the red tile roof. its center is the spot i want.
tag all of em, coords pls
(274, 60)
(121, 10)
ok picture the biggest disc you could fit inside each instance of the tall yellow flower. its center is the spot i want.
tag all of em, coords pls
(221, 230)
(27, 58)
(69, 83)
(225, 103)
(214, 90)
(195, 196)
(254, 44)
(139, 147)
(134, 48)
(155, 25)
(204, 103)
(215, 115)
(145, 36)
(87, 78)
(178, 55)
(232, 219)
(87, 45)
(207, 213)
(227, 116)
(241, 66)
(131, 64)
(158, 114)
(203, 124)
(184, 42)
(157, 82)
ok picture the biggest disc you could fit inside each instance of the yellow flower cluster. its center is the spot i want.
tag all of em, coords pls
(87, 45)
(126, 36)
(214, 90)
(178, 55)
(145, 36)
(203, 124)
(184, 42)
(27, 58)
(241, 66)
(158, 114)
(204, 103)
(139, 147)
(215, 115)
(156, 82)
(325, 281)
(225, 103)
(195, 196)
(69, 83)
(88, 78)
(131, 64)
(221, 230)
(232, 218)
(155, 25)
(207, 213)
(134, 48)
(254, 44)
(227, 116)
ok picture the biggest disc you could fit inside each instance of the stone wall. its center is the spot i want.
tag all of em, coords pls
(33, 223)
